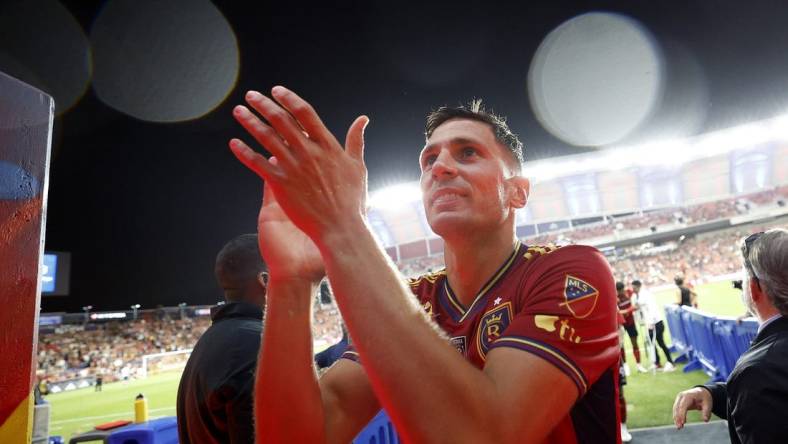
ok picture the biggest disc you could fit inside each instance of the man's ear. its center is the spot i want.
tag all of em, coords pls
(519, 190)
(755, 289)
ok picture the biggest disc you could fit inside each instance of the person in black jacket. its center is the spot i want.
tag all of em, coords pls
(755, 397)
(216, 392)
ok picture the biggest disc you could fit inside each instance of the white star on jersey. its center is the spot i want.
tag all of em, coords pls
(497, 301)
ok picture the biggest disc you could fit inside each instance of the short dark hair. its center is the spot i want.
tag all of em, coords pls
(475, 111)
(619, 285)
(678, 280)
(238, 263)
(636, 283)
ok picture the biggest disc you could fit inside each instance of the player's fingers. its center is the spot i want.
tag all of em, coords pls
(269, 197)
(354, 141)
(252, 160)
(280, 119)
(305, 115)
(262, 133)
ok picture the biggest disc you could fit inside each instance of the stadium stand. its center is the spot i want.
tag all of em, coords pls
(72, 355)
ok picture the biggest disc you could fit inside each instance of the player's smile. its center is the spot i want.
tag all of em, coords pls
(446, 198)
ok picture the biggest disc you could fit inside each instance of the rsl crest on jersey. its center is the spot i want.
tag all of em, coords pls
(580, 297)
(492, 325)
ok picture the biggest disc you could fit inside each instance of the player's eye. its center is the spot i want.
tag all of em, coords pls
(468, 152)
(429, 159)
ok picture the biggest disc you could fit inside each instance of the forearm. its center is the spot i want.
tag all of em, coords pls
(412, 367)
(288, 406)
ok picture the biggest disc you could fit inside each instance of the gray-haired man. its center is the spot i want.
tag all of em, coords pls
(755, 397)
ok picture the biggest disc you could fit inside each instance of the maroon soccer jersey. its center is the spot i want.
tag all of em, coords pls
(625, 306)
(556, 303)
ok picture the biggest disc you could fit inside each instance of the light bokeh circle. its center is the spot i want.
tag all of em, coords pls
(595, 79)
(163, 61)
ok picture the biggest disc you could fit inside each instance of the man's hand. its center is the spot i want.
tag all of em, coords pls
(319, 185)
(289, 253)
(692, 399)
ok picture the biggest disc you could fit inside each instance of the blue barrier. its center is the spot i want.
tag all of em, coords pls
(157, 431)
(728, 352)
(379, 431)
(686, 324)
(745, 334)
(710, 343)
(679, 341)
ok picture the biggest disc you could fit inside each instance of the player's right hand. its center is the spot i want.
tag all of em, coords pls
(289, 253)
(693, 399)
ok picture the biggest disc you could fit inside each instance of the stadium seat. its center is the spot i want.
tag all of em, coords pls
(157, 431)
(380, 430)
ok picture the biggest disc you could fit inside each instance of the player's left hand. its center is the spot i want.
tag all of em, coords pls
(320, 185)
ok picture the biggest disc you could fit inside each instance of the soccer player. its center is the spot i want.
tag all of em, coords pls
(686, 296)
(627, 310)
(509, 344)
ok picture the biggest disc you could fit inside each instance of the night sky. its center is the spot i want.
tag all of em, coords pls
(144, 207)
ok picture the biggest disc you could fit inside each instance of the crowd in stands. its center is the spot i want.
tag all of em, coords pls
(114, 350)
(690, 215)
(695, 259)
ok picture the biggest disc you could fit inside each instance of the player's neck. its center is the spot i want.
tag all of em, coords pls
(470, 262)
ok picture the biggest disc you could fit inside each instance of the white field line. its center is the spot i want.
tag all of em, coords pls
(90, 418)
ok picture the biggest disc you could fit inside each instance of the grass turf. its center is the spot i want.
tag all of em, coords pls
(649, 396)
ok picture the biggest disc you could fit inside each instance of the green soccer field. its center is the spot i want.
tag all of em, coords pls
(78, 411)
(649, 396)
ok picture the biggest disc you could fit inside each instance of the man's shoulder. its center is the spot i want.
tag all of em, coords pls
(547, 259)
(556, 254)
(768, 357)
(427, 280)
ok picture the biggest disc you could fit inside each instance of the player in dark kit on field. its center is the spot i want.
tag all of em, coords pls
(215, 395)
(687, 296)
(508, 344)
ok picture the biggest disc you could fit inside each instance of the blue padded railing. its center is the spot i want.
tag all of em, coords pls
(679, 340)
(710, 343)
(379, 430)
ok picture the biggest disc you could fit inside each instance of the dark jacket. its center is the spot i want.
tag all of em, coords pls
(216, 393)
(754, 400)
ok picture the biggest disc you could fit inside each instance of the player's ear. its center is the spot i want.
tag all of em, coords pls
(262, 279)
(519, 190)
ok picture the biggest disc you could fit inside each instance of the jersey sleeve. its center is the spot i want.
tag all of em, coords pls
(568, 315)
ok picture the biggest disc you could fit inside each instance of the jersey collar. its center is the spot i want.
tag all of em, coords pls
(453, 305)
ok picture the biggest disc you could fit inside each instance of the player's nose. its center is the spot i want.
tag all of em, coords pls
(444, 166)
